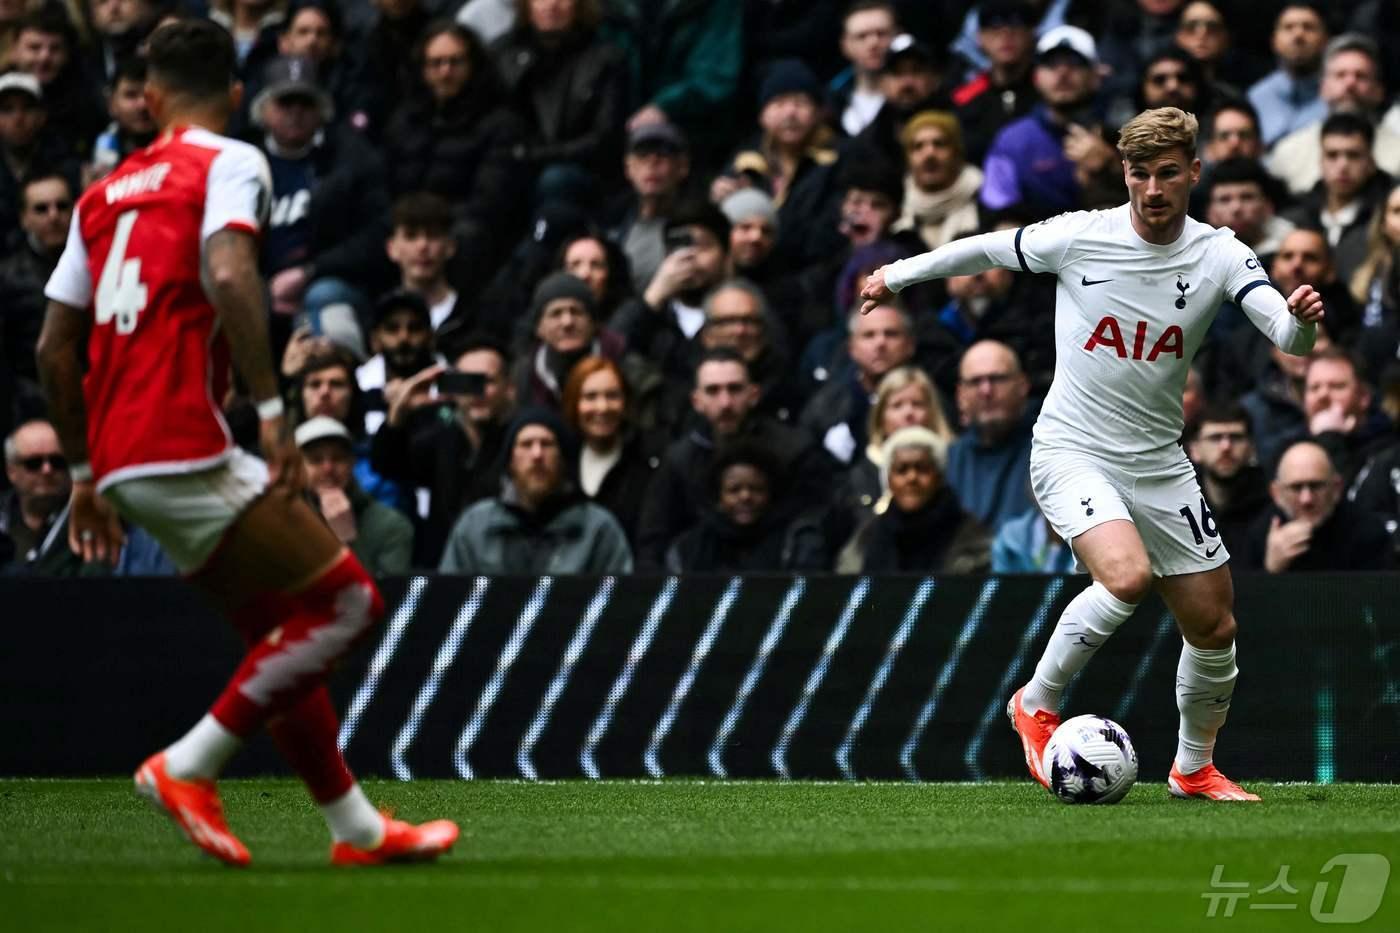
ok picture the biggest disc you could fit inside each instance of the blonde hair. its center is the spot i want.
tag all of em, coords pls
(897, 380)
(1154, 132)
(1379, 253)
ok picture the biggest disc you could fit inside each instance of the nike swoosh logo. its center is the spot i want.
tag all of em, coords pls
(1210, 551)
(1086, 281)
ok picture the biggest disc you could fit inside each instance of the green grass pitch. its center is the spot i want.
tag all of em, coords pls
(703, 856)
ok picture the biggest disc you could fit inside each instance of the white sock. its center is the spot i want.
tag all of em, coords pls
(1205, 681)
(353, 819)
(1084, 626)
(202, 752)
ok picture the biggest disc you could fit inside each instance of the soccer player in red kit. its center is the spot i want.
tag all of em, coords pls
(160, 281)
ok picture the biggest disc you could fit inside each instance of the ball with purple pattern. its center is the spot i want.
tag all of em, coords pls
(1090, 759)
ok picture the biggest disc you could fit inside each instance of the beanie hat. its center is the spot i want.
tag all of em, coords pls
(788, 76)
(548, 418)
(749, 202)
(561, 285)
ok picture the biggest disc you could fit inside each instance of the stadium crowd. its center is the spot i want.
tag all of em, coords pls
(570, 285)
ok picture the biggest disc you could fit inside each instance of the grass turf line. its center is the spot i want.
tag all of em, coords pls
(691, 855)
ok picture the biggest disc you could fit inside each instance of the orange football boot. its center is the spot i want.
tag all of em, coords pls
(1207, 783)
(402, 842)
(1035, 731)
(194, 806)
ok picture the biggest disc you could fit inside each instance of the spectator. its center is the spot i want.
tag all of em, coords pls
(940, 188)
(118, 26)
(753, 236)
(915, 77)
(1311, 526)
(392, 35)
(924, 530)
(1351, 83)
(131, 128)
(905, 397)
(792, 141)
(806, 29)
(420, 245)
(34, 513)
(1202, 33)
(1240, 195)
(314, 30)
(616, 461)
(46, 46)
(327, 220)
(1171, 78)
(46, 212)
(445, 450)
(1374, 285)
(1351, 187)
(1055, 159)
(571, 138)
(540, 523)
(657, 164)
(724, 398)
(739, 531)
(867, 30)
(565, 330)
(664, 323)
(1027, 544)
(25, 143)
(1003, 91)
(988, 467)
(454, 136)
(402, 342)
(602, 265)
(1287, 98)
(1235, 487)
(968, 45)
(380, 537)
(685, 60)
(738, 317)
(1231, 132)
(1376, 491)
(1132, 32)
(1337, 405)
(838, 414)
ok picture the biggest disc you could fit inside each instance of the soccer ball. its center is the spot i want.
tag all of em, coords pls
(1090, 759)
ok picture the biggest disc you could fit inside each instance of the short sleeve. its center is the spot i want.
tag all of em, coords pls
(1043, 246)
(71, 281)
(238, 192)
(1242, 272)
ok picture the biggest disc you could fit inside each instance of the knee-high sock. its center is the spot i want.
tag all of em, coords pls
(1205, 682)
(1084, 626)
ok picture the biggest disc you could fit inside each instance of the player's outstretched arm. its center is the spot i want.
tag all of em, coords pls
(94, 530)
(1290, 323)
(235, 289)
(961, 257)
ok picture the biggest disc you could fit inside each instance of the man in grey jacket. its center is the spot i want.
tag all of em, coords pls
(540, 523)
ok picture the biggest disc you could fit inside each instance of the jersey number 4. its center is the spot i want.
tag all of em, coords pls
(121, 295)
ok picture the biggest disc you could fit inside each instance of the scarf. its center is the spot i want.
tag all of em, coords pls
(913, 541)
(941, 216)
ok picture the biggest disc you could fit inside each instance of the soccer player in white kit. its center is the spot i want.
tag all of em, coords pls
(1139, 286)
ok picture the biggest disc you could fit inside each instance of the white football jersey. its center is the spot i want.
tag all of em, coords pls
(1129, 318)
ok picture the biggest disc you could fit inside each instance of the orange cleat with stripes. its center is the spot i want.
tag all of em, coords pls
(195, 808)
(402, 842)
(1207, 783)
(1035, 731)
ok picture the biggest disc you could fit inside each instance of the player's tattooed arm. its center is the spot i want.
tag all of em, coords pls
(235, 289)
(59, 358)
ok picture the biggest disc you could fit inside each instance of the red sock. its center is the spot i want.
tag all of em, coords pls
(299, 638)
(306, 737)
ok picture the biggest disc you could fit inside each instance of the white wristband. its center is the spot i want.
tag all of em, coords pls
(80, 472)
(271, 408)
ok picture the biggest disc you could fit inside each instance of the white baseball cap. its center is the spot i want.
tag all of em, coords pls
(1072, 38)
(319, 428)
(21, 81)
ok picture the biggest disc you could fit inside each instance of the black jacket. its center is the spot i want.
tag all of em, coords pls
(349, 212)
(680, 487)
(1249, 498)
(717, 545)
(463, 151)
(572, 97)
(433, 452)
(1350, 539)
(23, 275)
(624, 488)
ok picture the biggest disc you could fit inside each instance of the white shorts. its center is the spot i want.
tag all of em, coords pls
(1077, 491)
(188, 513)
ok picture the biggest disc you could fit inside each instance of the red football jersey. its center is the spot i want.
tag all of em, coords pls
(158, 365)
